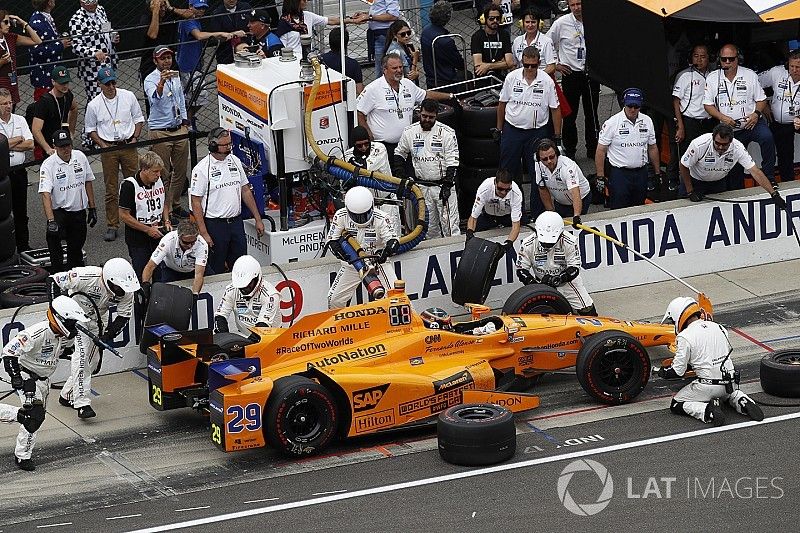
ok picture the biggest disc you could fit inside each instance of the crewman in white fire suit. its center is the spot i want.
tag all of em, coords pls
(95, 289)
(551, 257)
(252, 300)
(30, 358)
(373, 230)
(704, 345)
(434, 153)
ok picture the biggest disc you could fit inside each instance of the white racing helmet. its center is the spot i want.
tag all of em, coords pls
(64, 313)
(119, 277)
(359, 203)
(246, 275)
(679, 310)
(549, 227)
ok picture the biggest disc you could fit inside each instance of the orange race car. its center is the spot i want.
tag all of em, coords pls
(378, 366)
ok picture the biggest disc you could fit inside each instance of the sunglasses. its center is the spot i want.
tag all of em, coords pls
(493, 18)
(404, 33)
(547, 158)
(188, 243)
(6, 22)
(633, 106)
(502, 189)
(727, 59)
(530, 65)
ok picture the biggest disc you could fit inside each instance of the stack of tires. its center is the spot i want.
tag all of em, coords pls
(479, 153)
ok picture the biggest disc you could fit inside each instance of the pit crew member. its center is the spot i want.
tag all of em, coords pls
(434, 153)
(30, 358)
(252, 299)
(373, 230)
(184, 254)
(562, 186)
(704, 345)
(498, 203)
(95, 289)
(551, 257)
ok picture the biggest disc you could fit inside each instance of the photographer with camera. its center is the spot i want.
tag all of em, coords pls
(143, 211)
(704, 345)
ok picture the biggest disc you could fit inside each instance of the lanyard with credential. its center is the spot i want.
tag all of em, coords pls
(113, 117)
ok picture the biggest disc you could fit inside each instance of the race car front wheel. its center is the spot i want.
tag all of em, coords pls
(476, 434)
(613, 367)
(536, 299)
(301, 417)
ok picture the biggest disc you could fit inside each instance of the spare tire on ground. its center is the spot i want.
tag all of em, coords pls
(536, 299)
(169, 304)
(17, 275)
(475, 271)
(476, 434)
(24, 294)
(780, 373)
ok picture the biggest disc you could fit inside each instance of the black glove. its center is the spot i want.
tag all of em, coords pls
(525, 276)
(575, 221)
(695, 196)
(53, 290)
(11, 365)
(553, 281)
(470, 233)
(67, 353)
(779, 201)
(389, 250)
(52, 228)
(91, 217)
(399, 167)
(335, 246)
(16, 382)
(505, 247)
(113, 329)
(220, 324)
(496, 134)
(569, 273)
(662, 372)
(444, 193)
(146, 288)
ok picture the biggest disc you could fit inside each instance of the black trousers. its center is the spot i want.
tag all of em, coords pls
(579, 87)
(72, 228)
(19, 206)
(784, 149)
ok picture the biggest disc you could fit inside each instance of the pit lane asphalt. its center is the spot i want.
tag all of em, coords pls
(160, 468)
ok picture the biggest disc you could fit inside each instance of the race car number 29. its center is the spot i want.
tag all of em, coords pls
(247, 417)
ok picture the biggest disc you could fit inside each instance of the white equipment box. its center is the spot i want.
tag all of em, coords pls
(279, 247)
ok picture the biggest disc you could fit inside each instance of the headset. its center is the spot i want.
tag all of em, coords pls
(739, 55)
(545, 144)
(213, 137)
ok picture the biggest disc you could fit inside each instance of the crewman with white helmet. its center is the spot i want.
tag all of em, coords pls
(704, 345)
(30, 358)
(253, 301)
(551, 257)
(373, 230)
(95, 289)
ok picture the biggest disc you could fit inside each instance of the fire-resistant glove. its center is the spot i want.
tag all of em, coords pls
(91, 217)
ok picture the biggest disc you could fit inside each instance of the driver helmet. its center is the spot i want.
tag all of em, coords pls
(549, 227)
(437, 318)
(359, 203)
(119, 277)
(246, 275)
(63, 314)
(680, 310)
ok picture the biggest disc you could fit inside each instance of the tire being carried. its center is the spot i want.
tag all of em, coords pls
(301, 417)
(613, 367)
(476, 434)
(536, 299)
(780, 373)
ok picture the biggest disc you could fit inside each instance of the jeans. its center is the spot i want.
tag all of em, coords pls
(628, 187)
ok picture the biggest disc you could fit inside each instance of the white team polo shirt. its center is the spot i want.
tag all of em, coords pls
(690, 89)
(736, 98)
(388, 112)
(15, 127)
(66, 181)
(569, 42)
(706, 164)
(566, 176)
(627, 141)
(115, 119)
(219, 185)
(170, 252)
(547, 54)
(785, 100)
(528, 105)
(487, 200)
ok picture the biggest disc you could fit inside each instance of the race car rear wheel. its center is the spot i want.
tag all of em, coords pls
(301, 416)
(536, 299)
(613, 367)
(780, 373)
(476, 434)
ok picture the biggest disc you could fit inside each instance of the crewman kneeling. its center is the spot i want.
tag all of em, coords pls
(704, 345)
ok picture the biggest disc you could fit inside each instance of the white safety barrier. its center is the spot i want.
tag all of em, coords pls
(685, 238)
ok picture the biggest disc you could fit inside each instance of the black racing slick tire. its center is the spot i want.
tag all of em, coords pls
(17, 275)
(613, 367)
(475, 271)
(478, 152)
(536, 299)
(477, 121)
(476, 434)
(780, 373)
(24, 294)
(169, 304)
(301, 416)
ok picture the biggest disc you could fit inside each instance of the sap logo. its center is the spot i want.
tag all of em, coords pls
(231, 110)
(366, 399)
(432, 339)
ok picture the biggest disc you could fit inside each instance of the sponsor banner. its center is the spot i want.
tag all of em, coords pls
(246, 95)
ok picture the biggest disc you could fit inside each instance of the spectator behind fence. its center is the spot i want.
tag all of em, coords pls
(143, 210)
(491, 46)
(162, 29)
(296, 21)
(333, 59)
(398, 41)
(381, 15)
(65, 183)
(449, 65)
(93, 42)
(9, 41)
(168, 119)
(230, 16)
(268, 43)
(181, 254)
(533, 37)
(114, 118)
(50, 51)
(20, 140)
(55, 110)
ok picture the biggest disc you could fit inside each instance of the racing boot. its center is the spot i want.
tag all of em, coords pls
(714, 413)
(63, 401)
(751, 409)
(24, 464)
(86, 412)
